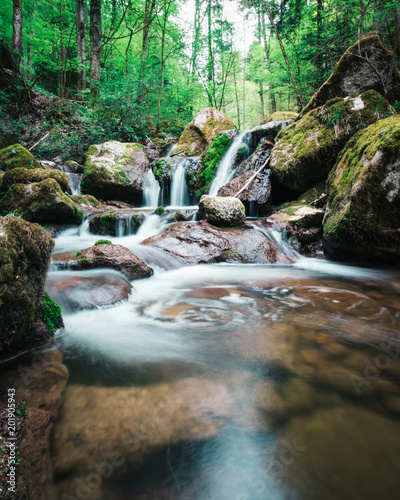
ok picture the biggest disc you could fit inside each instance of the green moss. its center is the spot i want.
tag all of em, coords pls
(24, 176)
(279, 116)
(107, 220)
(159, 210)
(84, 199)
(209, 164)
(103, 242)
(161, 170)
(50, 313)
(16, 156)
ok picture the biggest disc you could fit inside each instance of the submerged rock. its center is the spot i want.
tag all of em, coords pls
(116, 170)
(16, 156)
(201, 131)
(113, 257)
(25, 251)
(366, 65)
(306, 151)
(222, 211)
(24, 176)
(200, 243)
(363, 210)
(41, 202)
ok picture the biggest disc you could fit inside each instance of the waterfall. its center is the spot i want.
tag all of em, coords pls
(225, 168)
(179, 190)
(173, 146)
(151, 190)
(75, 183)
(126, 224)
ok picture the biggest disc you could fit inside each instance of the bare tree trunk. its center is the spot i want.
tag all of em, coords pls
(278, 37)
(237, 101)
(163, 58)
(210, 64)
(196, 38)
(81, 42)
(320, 69)
(17, 30)
(272, 99)
(148, 14)
(95, 49)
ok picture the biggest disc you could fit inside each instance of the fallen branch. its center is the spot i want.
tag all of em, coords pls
(39, 141)
(252, 177)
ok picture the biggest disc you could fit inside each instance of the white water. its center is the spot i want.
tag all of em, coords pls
(225, 168)
(75, 183)
(169, 152)
(151, 191)
(179, 190)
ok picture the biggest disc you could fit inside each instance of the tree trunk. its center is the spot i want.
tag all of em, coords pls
(196, 38)
(237, 100)
(320, 68)
(17, 30)
(261, 93)
(148, 14)
(278, 37)
(95, 50)
(272, 99)
(210, 63)
(81, 42)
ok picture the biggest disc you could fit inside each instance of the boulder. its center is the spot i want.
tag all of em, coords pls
(24, 176)
(363, 209)
(267, 131)
(366, 65)
(201, 131)
(222, 212)
(114, 257)
(116, 170)
(16, 156)
(111, 222)
(41, 202)
(306, 151)
(278, 116)
(200, 243)
(74, 292)
(84, 199)
(25, 251)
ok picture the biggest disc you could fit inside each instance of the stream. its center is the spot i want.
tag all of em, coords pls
(243, 382)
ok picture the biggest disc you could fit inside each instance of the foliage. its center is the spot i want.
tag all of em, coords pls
(50, 313)
(159, 210)
(103, 242)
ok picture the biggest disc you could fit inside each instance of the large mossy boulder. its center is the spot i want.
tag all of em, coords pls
(306, 151)
(42, 202)
(116, 171)
(16, 156)
(366, 65)
(24, 176)
(25, 252)
(363, 209)
(280, 116)
(201, 131)
(222, 212)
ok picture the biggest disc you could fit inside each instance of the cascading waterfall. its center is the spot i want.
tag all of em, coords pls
(179, 190)
(151, 191)
(173, 146)
(225, 168)
(74, 180)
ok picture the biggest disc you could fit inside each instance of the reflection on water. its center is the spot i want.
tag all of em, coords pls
(235, 382)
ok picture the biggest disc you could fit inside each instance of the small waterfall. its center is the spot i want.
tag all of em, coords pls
(173, 146)
(151, 190)
(279, 239)
(126, 224)
(75, 183)
(179, 190)
(151, 226)
(225, 168)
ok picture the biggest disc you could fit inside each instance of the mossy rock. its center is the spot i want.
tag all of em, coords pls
(24, 176)
(162, 169)
(306, 150)
(84, 199)
(25, 252)
(222, 211)
(363, 209)
(354, 74)
(106, 223)
(280, 116)
(42, 202)
(201, 131)
(209, 163)
(116, 171)
(16, 156)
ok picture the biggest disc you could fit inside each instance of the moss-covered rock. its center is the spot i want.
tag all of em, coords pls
(201, 131)
(25, 252)
(363, 210)
(84, 199)
(306, 150)
(222, 212)
(110, 221)
(24, 176)
(42, 202)
(116, 171)
(366, 65)
(209, 163)
(162, 169)
(16, 156)
(280, 116)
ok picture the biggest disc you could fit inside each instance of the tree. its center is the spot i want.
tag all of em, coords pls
(17, 30)
(81, 42)
(95, 49)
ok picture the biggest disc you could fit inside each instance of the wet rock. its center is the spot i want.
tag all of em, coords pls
(286, 116)
(88, 292)
(201, 131)
(306, 151)
(16, 156)
(363, 209)
(222, 212)
(116, 170)
(84, 199)
(49, 165)
(74, 167)
(25, 251)
(110, 222)
(200, 243)
(113, 257)
(24, 176)
(354, 74)
(41, 202)
(267, 131)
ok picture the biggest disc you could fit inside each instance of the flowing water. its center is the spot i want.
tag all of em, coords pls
(151, 191)
(231, 382)
(179, 189)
